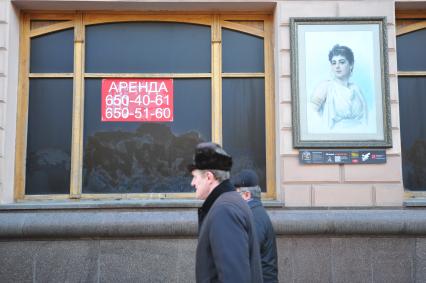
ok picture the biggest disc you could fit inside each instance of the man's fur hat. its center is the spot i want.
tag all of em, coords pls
(212, 156)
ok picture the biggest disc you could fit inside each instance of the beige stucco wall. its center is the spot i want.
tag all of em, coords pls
(297, 185)
(336, 185)
(3, 58)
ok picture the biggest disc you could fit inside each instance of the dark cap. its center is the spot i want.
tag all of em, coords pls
(246, 178)
(212, 156)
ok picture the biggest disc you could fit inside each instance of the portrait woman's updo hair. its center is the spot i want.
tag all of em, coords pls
(342, 51)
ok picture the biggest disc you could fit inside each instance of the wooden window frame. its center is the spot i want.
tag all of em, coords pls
(79, 21)
(406, 22)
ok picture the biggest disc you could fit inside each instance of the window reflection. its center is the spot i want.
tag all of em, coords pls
(125, 157)
(49, 136)
(244, 125)
(413, 126)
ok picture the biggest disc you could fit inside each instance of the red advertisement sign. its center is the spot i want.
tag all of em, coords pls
(137, 100)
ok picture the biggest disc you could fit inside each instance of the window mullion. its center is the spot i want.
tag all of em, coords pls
(78, 110)
(269, 111)
(23, 96)
(216, 80)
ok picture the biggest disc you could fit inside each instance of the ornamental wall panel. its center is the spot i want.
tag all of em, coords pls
(396, 144)
(284, 89)
(395, 115)
(293, 171)
(285, 115)
(4, 6)
(3, 89)
(286, 143)
(290, 9)
(285, 63)
(338, 195)
(367, 9)
(388, 194)
(3, 62)
(297, 195)
(393, 88)
(388, 172)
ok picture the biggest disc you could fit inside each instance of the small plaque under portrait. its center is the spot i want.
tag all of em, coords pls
(350, 156)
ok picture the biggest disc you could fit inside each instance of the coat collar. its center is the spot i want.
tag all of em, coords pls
(223, 187)
(254, 203)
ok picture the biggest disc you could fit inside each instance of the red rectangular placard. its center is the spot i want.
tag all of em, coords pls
(137, 100)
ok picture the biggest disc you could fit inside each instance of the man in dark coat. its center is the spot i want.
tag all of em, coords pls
(227, 249)
(246, 182)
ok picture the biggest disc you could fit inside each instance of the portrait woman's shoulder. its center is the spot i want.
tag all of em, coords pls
(320, 93)
(354, 87)
(322, 87)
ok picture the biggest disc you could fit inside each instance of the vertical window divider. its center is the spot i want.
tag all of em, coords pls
(23, 96)
(216, 79)
(78, 109)
(269, 110)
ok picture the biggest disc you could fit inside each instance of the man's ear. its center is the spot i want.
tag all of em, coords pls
(210, 176)
(246, 195)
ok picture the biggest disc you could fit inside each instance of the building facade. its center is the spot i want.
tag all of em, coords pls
(88, 194)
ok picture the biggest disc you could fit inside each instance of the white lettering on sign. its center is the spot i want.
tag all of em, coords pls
(137, 100)
(134, 86)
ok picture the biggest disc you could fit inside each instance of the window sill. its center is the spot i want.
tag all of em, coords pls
(102, 204)
(415, 202)
(115, 204)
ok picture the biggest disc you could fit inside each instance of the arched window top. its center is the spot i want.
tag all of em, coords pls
(148, 47)
(52, 52)
(241, 52)
(410, 51)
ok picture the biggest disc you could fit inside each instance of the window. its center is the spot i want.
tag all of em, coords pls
(221, 67)
(411, 39)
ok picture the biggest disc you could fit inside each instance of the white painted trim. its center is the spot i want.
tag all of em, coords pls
(7, 191)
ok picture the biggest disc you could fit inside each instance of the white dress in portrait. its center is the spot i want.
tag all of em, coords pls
(338, 108)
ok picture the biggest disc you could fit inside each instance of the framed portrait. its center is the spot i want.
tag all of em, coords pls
(340, 87)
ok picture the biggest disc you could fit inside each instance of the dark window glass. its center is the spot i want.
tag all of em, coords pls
(134, 157)
(241, 52)
(49, 136)
(412, 105)
(244, 125)
(148, 48)
(411, 51)
(53, 52)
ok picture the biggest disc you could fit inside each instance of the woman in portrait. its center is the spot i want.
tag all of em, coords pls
(338, 102)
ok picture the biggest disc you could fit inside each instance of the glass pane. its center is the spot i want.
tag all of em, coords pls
(241, 52)
(243, 125)
(49, 137)
(134, 157)
(410, 51)
(412, 105)
(148, 48)
(53, 52)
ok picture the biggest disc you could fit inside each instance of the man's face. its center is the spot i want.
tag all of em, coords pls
(201, 183)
